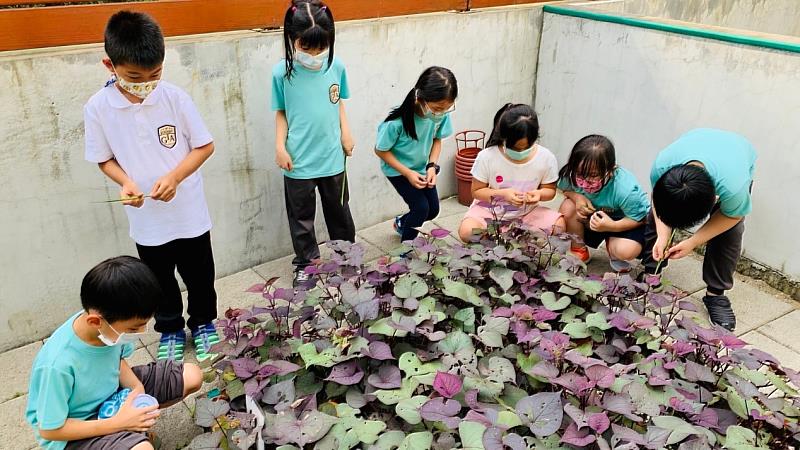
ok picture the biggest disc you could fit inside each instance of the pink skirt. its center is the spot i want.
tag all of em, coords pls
(540, 218)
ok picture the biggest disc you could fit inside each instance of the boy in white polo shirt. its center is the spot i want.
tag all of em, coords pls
(145, 133)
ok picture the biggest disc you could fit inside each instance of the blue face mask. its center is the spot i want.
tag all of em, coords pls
(518, 155)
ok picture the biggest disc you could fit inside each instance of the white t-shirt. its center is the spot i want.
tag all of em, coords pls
(148, 140)
(493, 168)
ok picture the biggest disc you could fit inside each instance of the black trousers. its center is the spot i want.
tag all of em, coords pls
(195, 263)
(719, 264)
(423, 204)
(301, 205)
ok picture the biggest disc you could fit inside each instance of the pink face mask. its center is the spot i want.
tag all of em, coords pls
(589, 186)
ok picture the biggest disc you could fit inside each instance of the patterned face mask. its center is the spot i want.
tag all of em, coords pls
(141, 90)
(590, 186)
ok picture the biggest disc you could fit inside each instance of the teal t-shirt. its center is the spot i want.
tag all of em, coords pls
(729, 158)
(411, 153)
(70, 379)
(621, 197)
(311, 103)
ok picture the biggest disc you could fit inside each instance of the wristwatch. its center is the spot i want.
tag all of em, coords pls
(433, 164)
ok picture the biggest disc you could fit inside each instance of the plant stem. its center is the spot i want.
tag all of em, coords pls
(666, 248)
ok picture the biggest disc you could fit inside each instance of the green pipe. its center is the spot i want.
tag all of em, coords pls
(672, 28)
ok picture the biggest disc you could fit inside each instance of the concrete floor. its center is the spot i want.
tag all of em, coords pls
(767, 320)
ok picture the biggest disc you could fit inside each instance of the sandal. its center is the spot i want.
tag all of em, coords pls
(720, 311)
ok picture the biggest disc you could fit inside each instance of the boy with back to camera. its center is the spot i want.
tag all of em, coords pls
(83, 364)
(145, 133)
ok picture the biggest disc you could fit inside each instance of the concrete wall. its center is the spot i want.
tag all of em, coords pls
(50, 231)
(644, 88)
(765, 16)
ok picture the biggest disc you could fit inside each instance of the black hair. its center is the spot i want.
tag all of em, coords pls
(310, 21)
(512, 123)
(134, 38)
(435, 84)
(121, 288)
(592, 153)
(684, 196)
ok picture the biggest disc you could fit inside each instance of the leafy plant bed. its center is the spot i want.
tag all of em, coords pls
(506, 343)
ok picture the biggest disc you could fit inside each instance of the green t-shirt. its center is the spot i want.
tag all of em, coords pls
(70, 379)
(411, 153)
(311, 103)
(728, 157)
(620, 197)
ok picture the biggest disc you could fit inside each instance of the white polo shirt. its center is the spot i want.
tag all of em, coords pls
(148, 140)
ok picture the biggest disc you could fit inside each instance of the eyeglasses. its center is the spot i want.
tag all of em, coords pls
(441, 113)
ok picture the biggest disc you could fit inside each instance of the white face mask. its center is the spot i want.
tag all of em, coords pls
(141, 90)
(311, 62)
(122, 338)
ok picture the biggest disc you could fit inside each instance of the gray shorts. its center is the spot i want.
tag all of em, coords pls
(164, 381)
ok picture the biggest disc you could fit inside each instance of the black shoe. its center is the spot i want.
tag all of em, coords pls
(301, 278)
(720, 311)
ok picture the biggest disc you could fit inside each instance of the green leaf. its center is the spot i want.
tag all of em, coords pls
(739, 438)
(393, 396)
(680, 429)
(589, 287)
(597, 320)
(382, 326)
(410, 364)
(577, 330)
(501, 370)
(389, 440)
(485, 387)
(471, 434)
(503, 276)
(508, 419)
(408, 409)
(467, 318)
(492, 333)
(512, 394)
(417, 441)
(326, 358)
(410, 286)
(571, 313)
(781, 384)
(549, 301)
(461, 291)
(736, 403)
(440, 271)
(234, 389)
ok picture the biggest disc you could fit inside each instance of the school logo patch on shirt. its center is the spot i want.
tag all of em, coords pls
(166, 135)
(498, 178)
(333, 93)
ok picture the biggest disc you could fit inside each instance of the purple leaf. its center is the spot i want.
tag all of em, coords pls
(698, 372)
(493, 439)
(682, 348)
(544, 369)
(542, 412)
(576, 414)
(346, 373)
(378, 350)
(625, 434)
(447, 384)
(601, 376)
(441, 410)
(680, 406)
(280, 393)
(687, 305)
(256, 288)
(576, 437)
(732, 342)
(471, 399)
(388, 377)
(473, 416)
(659, 376)
(502, 311)
(706, 418)
(254, 388)
(573, 382)
(244, 367)
(277, 367)
(598, 422)
(621, 404)
(439, 233)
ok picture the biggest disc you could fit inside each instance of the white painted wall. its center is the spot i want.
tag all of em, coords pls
(765, 16)
(644, 88)
(50, 231)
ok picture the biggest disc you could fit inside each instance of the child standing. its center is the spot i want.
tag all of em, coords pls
(409, 143)
(312, 134)
(143, 131)
(604, 202)
(706, 171)
(84, 363)
(516, 170)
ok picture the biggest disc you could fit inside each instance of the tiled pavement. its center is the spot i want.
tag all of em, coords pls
(767, 319)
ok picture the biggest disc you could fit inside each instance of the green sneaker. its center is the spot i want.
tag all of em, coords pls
(171, 346)
(205, 336)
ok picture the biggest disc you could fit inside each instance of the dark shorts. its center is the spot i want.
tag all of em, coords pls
(164, 381)
(594, 239)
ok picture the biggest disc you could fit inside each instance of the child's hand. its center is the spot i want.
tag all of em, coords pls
(129, 190)
(533, 198)
(681, 249)
(600, 222)
(660, 248)
(165, 188)
(430, 179)
(513, 196)
(130, 418)
(283, 160)
(417, 180)
(583, 206)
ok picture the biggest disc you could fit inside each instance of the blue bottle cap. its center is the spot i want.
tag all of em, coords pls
(144, 400)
